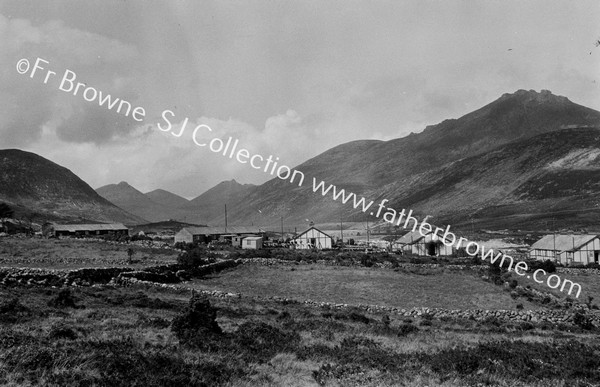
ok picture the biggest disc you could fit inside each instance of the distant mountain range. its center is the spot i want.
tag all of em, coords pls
(527, 160)
(160, 205)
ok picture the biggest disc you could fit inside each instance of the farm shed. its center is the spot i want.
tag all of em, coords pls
(431, 244)
(252, 242)
(567, 248)
(207, 234)
(313, 238)
(58, 230)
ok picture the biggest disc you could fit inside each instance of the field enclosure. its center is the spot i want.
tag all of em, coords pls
(433, 288)
(76, 253)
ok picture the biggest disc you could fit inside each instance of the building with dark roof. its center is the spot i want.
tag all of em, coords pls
(208, 234)
(80, 230)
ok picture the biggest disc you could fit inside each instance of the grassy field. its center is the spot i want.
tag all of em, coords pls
(126, 336)
(149, 336)
(434, 288)
(76, 253)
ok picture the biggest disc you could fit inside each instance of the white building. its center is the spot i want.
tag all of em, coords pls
(313, 238)
(431, 244)
(207, 234)
(252, 243)
(567, 248)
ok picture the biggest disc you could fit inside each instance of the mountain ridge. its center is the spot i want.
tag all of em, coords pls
(38, 187)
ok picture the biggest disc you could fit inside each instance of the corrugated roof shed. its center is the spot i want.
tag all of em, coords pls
(311, 228)
(89, 227)
(221, 230)
(562, 242)
(410, 237)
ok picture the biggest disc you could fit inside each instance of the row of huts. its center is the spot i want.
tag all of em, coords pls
(250, 237)
(245, 237)
(564, 248)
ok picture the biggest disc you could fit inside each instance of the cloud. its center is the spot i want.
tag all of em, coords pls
(29, 104)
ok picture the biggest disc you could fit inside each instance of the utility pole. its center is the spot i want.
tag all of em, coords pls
(554, 238)
(341, 231)
(282, 229)
(225, 217)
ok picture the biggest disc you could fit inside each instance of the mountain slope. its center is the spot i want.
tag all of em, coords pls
(129, 198)
(403, 169)
(526, 183)
(37, 185)
(167, 199)
(211, 204)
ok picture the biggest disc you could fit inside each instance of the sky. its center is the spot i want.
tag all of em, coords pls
(290, 79)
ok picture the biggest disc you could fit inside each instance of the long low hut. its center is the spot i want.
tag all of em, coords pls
(567, 248)
(80, 230)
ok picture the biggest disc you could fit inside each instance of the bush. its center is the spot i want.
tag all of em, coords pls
(548, 266)
(582, 320)
(406, 328)
(264, 341)
(12, 311)
(196, 257)
(196, 322)
(352, 316)
(494, 273)
(64, 299)
(62, 331)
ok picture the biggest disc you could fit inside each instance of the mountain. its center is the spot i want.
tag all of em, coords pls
(161, 205)
(41, 189)
(531, 183)
(453, 170)
(132, 200)
(167, 199)
(211, 204)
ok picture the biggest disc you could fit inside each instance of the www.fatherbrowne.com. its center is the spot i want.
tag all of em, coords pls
(448, 238)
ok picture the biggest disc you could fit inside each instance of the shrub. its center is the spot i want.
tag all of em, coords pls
(513, 284)
(62, 331)
(385, 320)
(548, 266)
(264, 341)
(526, 326)
(12, 311)
(196, 257)
(352, 316)
(582, 320)
(366, 261)
(196, 322)
(494, 272)
(64, 299)
(405, 329)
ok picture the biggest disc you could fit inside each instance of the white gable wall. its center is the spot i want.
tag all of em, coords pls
(313, 238)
